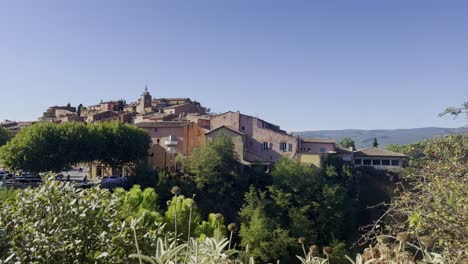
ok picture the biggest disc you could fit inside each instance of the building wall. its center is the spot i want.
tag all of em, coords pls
(401, 162)
(107, 106)
(229, 119)
(161, 134)
(256, 133)
(316, 147)
(159, 159)
(63, 112)
(179, 109)
(311, 159)
(195, 137)
(99, 171)
(188, 137)
(237, 140)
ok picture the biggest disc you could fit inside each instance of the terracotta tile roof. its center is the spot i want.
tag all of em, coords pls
(377, 152)
(163, 124)
(318, 140)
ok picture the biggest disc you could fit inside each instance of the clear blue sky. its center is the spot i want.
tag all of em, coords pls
(300, 64)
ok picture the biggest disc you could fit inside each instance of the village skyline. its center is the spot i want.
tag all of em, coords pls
(305, 65)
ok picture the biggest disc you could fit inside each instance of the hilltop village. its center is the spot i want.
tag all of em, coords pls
(179, 125)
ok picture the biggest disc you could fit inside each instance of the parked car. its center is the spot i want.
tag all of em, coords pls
(113, 181)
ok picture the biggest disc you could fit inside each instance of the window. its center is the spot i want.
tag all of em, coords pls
(308, 149)
(376, 162)
(366, 162)
(158, 140)
(265, 145)
(290, 147)
(283, 146)
(358, 161)
(322, 149)
(243, 127)
(385, 162)
(98, 171)
(395, 162)
(155, 129)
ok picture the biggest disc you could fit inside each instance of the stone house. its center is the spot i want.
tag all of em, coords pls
(380, 159)
(263, 142)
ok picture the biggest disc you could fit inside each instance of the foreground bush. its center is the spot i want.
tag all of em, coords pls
(57, 223)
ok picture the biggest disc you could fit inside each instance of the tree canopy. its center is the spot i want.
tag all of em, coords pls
(433, 203)
(5, 136)
(54, 147)
(347, 142)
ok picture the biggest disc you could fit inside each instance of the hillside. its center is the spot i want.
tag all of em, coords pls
(364, 138)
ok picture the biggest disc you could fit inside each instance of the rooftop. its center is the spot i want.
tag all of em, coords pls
(163, 124)
(377, 152)
(318, 140)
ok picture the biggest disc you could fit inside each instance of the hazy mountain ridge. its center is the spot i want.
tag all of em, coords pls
(364, 138)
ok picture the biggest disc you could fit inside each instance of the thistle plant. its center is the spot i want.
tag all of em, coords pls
(176, 191)
(232, 228)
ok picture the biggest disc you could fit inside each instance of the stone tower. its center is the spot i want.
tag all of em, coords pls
(145, 102)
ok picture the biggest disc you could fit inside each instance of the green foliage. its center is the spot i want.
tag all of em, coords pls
(265, 240)
(347, 142)
(215, 173)
(48, 115)
(183, 210)
(56, 223)
(209, 251)
(375, 144)
(434, 201)
(7, 195)
(214, 163)
(54, 147)
(214, 227)
(140, 203)
(5, 136)
(456, 111)
(300, 202)
(120, 105)
(79, 109)
(115, 143)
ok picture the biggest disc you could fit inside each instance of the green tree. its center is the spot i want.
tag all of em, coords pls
(79, 109)
(183, 211)
(456, 111)
(118, 144)
(375, 144)
(264, 238)
(433, 203)
(5, 136)
(120, 105)
(54, 147)
(347, 142)
(214, 170)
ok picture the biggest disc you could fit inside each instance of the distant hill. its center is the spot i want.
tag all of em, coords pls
(364, 138)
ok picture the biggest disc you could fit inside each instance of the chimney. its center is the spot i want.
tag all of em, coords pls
(351, 148)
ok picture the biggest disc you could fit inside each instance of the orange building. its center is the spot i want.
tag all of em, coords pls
(171, 138)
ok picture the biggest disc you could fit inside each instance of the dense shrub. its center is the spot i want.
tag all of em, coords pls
(56, 223)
